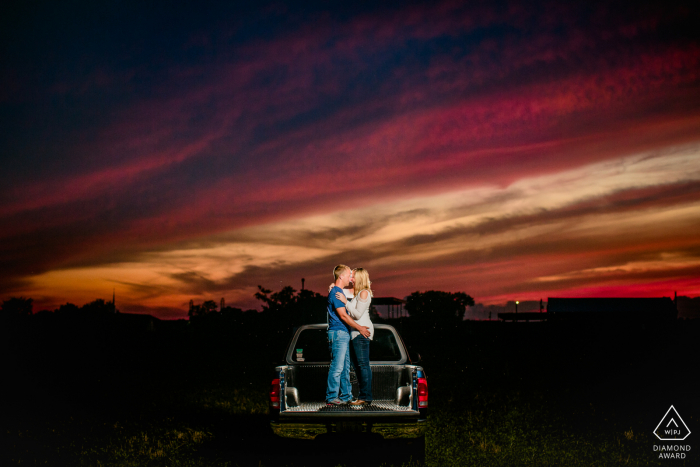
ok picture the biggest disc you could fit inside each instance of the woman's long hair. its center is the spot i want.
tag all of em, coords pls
(362, 281)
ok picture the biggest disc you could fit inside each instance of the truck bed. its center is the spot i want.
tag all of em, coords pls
(375, 407)
(309, 382)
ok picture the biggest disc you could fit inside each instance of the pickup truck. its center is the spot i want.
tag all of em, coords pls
(297, 395)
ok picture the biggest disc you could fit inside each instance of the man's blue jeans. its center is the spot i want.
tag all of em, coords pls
(360, 360)
(339, 371)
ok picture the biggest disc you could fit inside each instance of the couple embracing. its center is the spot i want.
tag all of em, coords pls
(349, 333)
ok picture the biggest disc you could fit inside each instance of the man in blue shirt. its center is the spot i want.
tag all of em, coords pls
(339, 326)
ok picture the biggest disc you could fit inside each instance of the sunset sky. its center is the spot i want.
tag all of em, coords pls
(507, 151)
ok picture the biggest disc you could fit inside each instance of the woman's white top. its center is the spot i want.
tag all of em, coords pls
(358, 310)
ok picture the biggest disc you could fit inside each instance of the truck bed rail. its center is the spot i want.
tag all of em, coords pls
(374, 407)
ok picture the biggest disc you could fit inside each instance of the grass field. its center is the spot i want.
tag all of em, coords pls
(490, 404)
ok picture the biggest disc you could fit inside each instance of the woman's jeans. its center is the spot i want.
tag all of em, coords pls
(360, 360)
(339, 371)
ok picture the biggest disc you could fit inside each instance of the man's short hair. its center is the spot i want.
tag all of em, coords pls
(339, 270)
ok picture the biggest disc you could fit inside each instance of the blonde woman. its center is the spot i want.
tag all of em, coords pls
(358, 309)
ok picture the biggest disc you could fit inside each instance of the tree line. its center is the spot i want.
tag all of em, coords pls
(21, 308)
(283, 310)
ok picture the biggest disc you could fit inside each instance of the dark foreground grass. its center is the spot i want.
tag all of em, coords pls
(154, 429)
(227, 427)
(510, 430)
(487, 408)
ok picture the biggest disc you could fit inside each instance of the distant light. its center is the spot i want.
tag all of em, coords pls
(517, 302)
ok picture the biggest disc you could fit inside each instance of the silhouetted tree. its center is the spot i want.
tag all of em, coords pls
(16, 308)
(43, 314)
(97, 308)
(67, 310)
(310, 307)
(288, 308)
(278, 301)
(206, 308)
(209, 306)
(232, 315)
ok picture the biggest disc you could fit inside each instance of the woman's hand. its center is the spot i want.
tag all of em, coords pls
(341, 297)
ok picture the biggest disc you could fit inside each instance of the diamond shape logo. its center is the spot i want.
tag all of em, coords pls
(672, 427)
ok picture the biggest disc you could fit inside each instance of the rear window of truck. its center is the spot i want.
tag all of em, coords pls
(312, 347)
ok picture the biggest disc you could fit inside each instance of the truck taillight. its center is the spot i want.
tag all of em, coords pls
(275, 393)
(422, 389)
